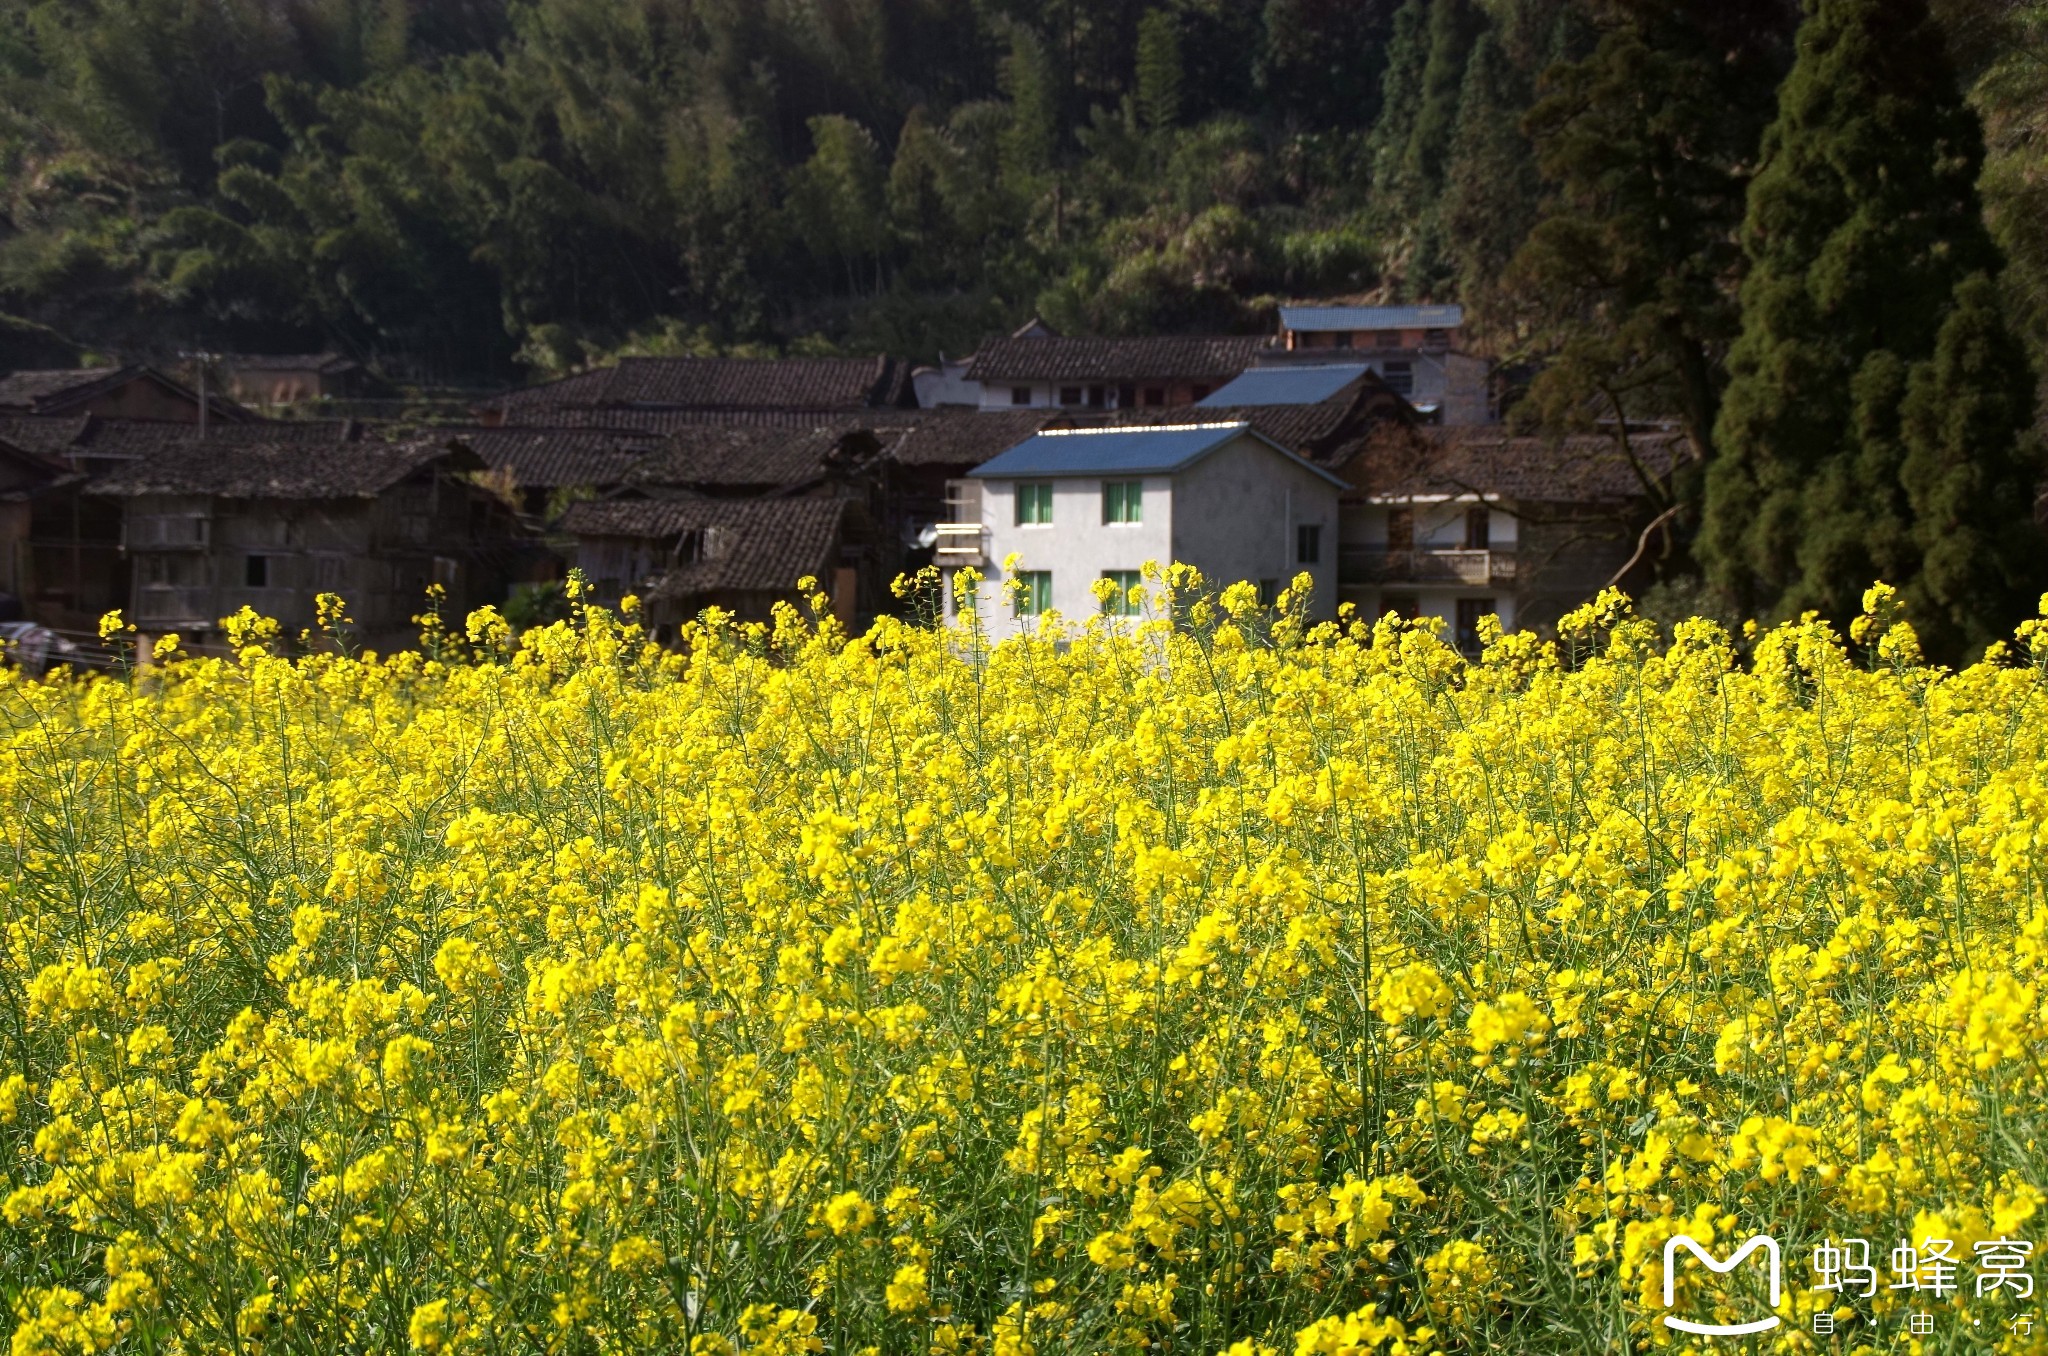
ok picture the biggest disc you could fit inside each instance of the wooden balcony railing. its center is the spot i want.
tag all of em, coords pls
(1473, 569)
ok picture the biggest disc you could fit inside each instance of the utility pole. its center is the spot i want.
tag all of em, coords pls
(202, 360)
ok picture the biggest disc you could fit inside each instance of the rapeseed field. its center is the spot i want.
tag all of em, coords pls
(1223, 986)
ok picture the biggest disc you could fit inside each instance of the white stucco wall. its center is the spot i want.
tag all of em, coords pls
(1076, 546)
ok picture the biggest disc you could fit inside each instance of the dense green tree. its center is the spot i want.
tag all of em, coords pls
(1320, 61)
(840, 198)
(1863, 228)
(1159, 69)
(1971, 471)
(1491, 191)
(1629, 279)
(2002, 48)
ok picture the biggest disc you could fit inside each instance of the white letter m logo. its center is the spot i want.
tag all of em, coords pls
(1671, 1247)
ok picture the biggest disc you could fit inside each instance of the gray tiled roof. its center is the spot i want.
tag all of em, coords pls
(52, 435)
(962, 438)
(752, 545)
(728, 384)
(1166, 358)
(1488, 461)
(27, 390)
(619, 419)
(548, 458)
(714, 457)
(281, 470)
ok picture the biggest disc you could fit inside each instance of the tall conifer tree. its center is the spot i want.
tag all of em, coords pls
(1863, 230)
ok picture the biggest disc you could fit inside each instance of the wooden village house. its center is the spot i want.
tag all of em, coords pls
(209, 529)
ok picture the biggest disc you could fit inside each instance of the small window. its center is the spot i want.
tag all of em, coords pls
(963, 591)
(256, 571)
(1308, 544)
(1034, 593)
(1070, 395)
(1126, 397)
(1269, 592)
(1034, 503)
(1097, 396)
(1400, 378)
(1198, 393)
(1120, 604)
(1436, 338)
(1470, 610)
(1400, 529)
(1478, 528)
(1123, 501)
(1155, 396)
(1020, 395)
(1341, 339)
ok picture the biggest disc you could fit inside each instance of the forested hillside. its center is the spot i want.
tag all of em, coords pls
(462, 190)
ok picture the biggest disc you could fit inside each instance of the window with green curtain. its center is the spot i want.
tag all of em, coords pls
(1125, 580)
(1034, 502)
(1035, 595)
(1123, 501)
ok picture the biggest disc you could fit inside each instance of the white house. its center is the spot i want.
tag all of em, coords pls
(1080, 505)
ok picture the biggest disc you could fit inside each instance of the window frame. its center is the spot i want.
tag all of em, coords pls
(1035, 598)
(1020, 395)
(1123, 503)
(1308, 543)
(1071, 397)
(256, 570)
(1479, 528)
(1037, 493)
(1125, 580)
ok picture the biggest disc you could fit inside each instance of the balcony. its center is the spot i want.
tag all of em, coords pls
(1470, 569)
(960, 544)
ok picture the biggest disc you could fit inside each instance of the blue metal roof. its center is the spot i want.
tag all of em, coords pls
(1310, 385)
(1123, 451)
(1315, 318)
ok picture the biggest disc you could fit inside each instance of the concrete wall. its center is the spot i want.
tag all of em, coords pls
(1235, 514)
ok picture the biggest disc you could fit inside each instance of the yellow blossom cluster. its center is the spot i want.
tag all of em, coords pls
(1225, 984)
